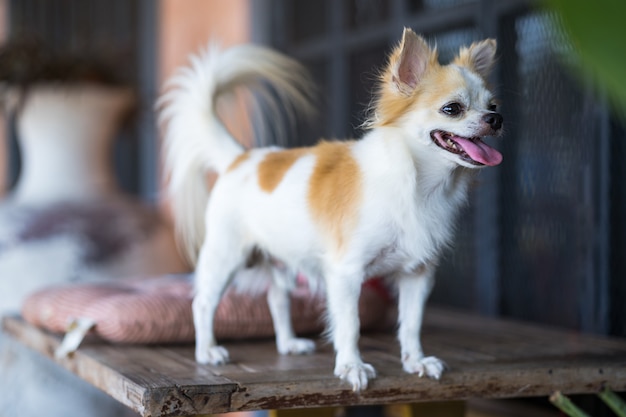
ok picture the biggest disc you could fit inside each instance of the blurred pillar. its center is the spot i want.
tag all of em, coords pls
(186, 26)
(4, 147)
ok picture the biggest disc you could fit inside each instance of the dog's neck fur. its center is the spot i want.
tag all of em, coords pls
(434, 177)
(430, 176)
(421, 198)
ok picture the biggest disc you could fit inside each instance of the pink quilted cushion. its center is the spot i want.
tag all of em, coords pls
(158, 310)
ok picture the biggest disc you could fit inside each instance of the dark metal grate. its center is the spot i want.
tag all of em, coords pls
(543, 237)
(366, 13)
(422, 5)
(367, 63)
(548, 209)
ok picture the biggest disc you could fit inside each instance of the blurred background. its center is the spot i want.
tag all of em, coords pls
(543, 238)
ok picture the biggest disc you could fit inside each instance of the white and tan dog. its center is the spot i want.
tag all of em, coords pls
(384, 205)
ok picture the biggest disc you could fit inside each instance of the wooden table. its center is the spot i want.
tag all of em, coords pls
(487, 358)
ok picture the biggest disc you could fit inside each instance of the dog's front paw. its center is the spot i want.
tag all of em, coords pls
(296, 346)
(430, 366)
(356, 374)
(214, 355)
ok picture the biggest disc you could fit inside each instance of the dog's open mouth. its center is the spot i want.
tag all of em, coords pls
(472, 150)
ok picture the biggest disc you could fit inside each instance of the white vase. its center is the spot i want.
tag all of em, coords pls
(66, 135)
(67, 220)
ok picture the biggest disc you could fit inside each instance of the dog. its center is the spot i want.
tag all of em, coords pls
(340, 211)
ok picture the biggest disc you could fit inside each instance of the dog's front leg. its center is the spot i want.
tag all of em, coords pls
(343, 291)
(414, 290)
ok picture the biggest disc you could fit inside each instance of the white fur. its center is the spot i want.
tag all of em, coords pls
(197, 142)
(411, 192)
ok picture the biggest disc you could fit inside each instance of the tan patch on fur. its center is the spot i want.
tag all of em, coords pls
(430, 98)
(392, 103)
(463, 59)
(479, 57)
(238, 161)
(335, 189)
(275, 165)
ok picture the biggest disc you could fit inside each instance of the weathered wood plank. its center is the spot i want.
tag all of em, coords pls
(86, 367)
(139, 377)
(487, 358)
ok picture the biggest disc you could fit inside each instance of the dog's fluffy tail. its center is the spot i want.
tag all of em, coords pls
(196, 141)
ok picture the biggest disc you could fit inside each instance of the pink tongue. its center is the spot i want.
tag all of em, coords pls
(479, 151)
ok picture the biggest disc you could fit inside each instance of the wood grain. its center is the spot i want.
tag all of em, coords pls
(487, 359)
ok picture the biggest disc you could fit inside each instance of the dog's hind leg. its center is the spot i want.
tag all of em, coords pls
(279, 301)
(216, 266)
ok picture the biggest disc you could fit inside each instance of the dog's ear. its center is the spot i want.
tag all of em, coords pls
(480, 56)
(410, 61)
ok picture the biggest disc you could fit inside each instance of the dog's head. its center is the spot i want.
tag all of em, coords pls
(445, 110)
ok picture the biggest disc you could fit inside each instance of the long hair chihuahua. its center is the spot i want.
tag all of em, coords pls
(340, 211)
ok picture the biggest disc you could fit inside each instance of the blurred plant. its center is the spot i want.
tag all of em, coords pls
(614, 402)
(611, 399)
(566, 405)
(597, 32)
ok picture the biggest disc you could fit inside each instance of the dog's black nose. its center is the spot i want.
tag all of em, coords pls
(494, 120)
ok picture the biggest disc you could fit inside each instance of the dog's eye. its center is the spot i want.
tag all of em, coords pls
(492, 107)
(452, 109)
